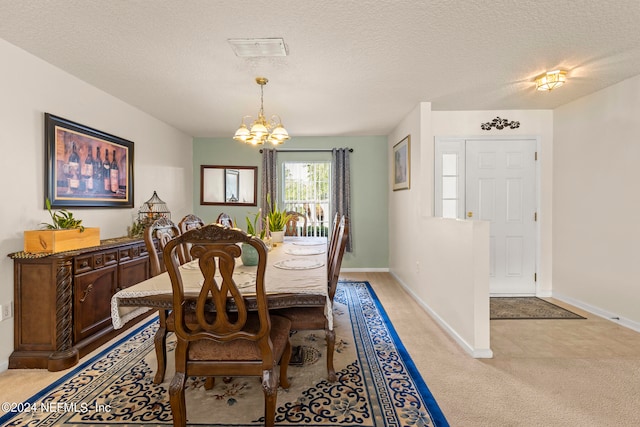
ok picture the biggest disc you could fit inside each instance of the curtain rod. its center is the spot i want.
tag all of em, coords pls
(307, 150)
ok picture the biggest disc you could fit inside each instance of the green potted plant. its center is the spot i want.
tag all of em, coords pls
(62, 220)
(277, 221)
(136, 229)
(252, 226)
(63, 233)
(249, 254)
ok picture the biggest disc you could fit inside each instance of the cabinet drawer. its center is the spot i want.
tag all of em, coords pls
(126, 254)
(132, 252)
(142, 250)
(105, 259)
(83, 263)
(92, 301)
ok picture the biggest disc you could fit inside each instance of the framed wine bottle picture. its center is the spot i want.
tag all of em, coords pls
(85, 167)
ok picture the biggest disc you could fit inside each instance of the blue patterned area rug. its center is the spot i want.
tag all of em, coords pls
(378, 383)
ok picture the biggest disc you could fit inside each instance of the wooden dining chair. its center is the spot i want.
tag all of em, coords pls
(225, 219)
(331, 245)
(161, 231)
(312, 318)
(214, 338)
(189, 222)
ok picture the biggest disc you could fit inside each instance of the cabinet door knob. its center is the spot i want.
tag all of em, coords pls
(469, 214)
(86, 292)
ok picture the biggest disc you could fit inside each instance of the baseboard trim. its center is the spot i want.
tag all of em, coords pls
(364, 270)
(4, 365)
(476, 353)
(613, 317)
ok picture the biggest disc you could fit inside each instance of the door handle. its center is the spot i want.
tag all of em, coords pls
(86, 293)
(469, 214)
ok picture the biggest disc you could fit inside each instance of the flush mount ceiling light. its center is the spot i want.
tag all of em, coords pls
(249, 48)
(551, 80)
(260, 131)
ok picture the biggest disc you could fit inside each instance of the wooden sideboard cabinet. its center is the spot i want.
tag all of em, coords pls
(63, 301)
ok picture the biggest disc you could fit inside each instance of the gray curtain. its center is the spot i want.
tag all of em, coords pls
(269, 182)
(341, 188)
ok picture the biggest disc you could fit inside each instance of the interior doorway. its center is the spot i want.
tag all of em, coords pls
(494, 180)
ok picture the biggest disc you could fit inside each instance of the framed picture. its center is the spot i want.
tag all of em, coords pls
(402, 164)
(228, 185)
(85, 167)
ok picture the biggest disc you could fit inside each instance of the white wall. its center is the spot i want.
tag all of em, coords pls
(426, 253)
(596, 240)
(30, 87)
(445, 263)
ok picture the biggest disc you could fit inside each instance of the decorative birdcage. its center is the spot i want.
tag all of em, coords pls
(153, 209)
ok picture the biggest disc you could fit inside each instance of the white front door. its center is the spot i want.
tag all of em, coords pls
(501, 188)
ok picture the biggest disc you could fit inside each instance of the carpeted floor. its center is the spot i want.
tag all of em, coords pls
(527, 308)
(378, 384)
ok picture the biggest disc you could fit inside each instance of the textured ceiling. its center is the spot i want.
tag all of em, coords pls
(354, 67)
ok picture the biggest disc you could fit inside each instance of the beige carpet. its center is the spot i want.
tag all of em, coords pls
(550, 373)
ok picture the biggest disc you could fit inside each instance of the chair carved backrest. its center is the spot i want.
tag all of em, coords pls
(225, 219)
(333, 237)
(189, 222)
(335, 263)
(216, 248)
(291, 228)
(163, 230)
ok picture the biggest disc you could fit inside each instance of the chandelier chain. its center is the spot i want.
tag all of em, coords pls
(261, 100)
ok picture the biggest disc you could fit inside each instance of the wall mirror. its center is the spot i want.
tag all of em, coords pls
(228, 185)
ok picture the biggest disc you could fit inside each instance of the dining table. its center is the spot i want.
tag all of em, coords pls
(296, 276)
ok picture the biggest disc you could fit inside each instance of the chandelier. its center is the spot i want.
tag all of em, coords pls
(551, 80)
(261, 130)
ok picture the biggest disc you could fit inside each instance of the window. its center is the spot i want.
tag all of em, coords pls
(307, 190)
(449, 178)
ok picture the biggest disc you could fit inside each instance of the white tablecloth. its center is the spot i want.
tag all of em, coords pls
(312, 281)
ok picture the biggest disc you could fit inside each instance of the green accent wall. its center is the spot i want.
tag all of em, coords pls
(369, 186)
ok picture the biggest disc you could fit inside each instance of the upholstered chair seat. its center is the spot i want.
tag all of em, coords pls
(244, 350)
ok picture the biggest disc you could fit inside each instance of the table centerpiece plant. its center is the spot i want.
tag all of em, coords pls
(249, 254)
(277, 221)
(254, 227)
